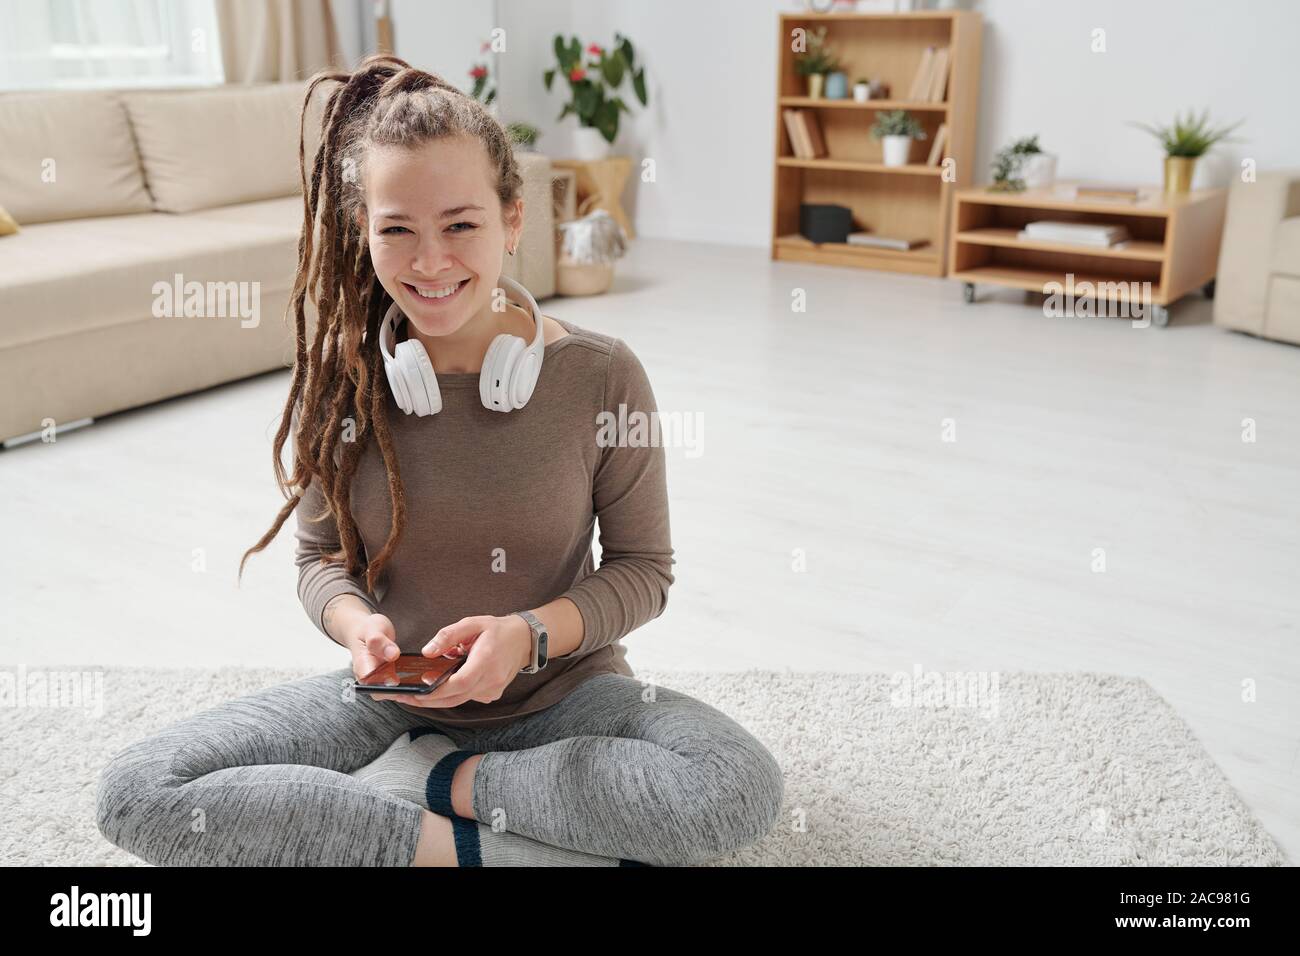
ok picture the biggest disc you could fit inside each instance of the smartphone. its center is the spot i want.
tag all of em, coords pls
(410, 674)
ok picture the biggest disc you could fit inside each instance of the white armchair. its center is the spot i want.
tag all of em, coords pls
(1258, 285)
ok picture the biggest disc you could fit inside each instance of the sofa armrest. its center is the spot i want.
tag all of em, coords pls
(1254, 211)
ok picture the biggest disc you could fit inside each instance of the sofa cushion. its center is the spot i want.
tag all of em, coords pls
(216, 147)
(1282, 316)
(67, 155)
(283, 216)
(1286, 247)
(61, 278)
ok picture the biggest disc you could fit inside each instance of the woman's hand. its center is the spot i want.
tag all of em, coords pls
(498, 648)
(373, 643)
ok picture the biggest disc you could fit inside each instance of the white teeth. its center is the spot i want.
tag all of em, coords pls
(439, 294)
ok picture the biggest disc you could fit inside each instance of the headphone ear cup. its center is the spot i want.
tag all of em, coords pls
(397, 383)
(486, 374)
(498, 364)
(418, 377)
(524, 379)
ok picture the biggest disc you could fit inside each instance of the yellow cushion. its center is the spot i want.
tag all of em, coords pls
(7, 225)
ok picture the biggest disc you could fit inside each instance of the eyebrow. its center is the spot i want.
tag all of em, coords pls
(453, 211)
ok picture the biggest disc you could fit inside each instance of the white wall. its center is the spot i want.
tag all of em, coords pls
(711, 64)
(443, 36)
(354, 21)
(709, 127)
(1238, 58)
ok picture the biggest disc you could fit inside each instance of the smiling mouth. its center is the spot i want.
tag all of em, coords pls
(443, 294)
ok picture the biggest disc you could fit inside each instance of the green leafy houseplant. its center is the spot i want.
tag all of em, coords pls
(525, 134)
(1009, 161)
(896, 123)
(819, 57)
(1190, 136)
(593, 86)
(1184, 142)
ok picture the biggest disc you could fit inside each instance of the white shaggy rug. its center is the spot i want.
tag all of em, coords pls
(1068, 769)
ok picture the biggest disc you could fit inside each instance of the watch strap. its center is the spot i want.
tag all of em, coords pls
(539, 641)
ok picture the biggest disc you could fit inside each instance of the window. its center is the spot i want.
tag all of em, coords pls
(61, 44)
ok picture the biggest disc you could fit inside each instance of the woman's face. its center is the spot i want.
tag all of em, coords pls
(436, 236)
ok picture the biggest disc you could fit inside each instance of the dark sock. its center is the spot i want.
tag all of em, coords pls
(477, 844)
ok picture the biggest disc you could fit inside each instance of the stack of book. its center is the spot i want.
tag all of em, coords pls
(931, 80)
(898, 243)
(805, 133)
(1075, 233)
(1108, 193)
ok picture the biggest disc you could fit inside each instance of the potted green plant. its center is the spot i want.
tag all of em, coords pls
(593, 87)
(1184, 142)
(816, 61)
(522, 134)
(896, 129)
(1012, 160)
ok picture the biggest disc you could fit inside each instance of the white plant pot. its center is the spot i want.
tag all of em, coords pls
(1039, 170)
(861, 92)
(896, 149)
(589, 144)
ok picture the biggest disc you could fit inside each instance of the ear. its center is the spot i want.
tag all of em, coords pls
(518, 228)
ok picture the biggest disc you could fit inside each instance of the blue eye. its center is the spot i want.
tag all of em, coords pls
(469, 224)
(387, 230)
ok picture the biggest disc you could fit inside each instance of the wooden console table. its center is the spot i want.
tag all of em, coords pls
(1174, 242)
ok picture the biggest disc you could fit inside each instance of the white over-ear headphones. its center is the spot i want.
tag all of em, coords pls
(510, 367)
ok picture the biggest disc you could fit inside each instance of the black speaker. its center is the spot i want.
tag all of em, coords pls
(825, 223)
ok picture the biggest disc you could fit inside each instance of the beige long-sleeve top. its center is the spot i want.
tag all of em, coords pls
(500, 510)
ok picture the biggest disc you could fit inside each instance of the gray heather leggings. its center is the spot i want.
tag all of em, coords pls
(262, 780)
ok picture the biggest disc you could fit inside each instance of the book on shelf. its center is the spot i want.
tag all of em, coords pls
(884, 242)
(805, 133)
(813, 127)
(1093, 230)
(1076, 233)
(920, 81)
(794, 132)
(930, 83)
(1074, 241)
(939, 78)
(1108, 191)
(938, 146)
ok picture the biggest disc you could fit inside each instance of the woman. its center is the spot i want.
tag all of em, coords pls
(442, 531)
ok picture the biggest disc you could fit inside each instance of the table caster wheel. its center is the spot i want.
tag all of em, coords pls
(1160, 315)
(968, 291)
(1208, 289)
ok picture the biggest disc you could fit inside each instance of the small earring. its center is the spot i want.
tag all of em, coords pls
(512, 252)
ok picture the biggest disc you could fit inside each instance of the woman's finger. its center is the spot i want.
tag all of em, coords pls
(463, 632)
(378, 644)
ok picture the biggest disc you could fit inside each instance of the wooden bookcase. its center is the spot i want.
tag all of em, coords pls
(912, 200)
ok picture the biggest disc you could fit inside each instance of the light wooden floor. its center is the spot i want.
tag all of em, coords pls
(822, 431)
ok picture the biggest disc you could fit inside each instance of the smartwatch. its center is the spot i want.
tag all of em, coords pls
(539, 642)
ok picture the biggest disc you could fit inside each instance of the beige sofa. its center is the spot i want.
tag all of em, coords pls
(118, 193)
(1258, 287)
